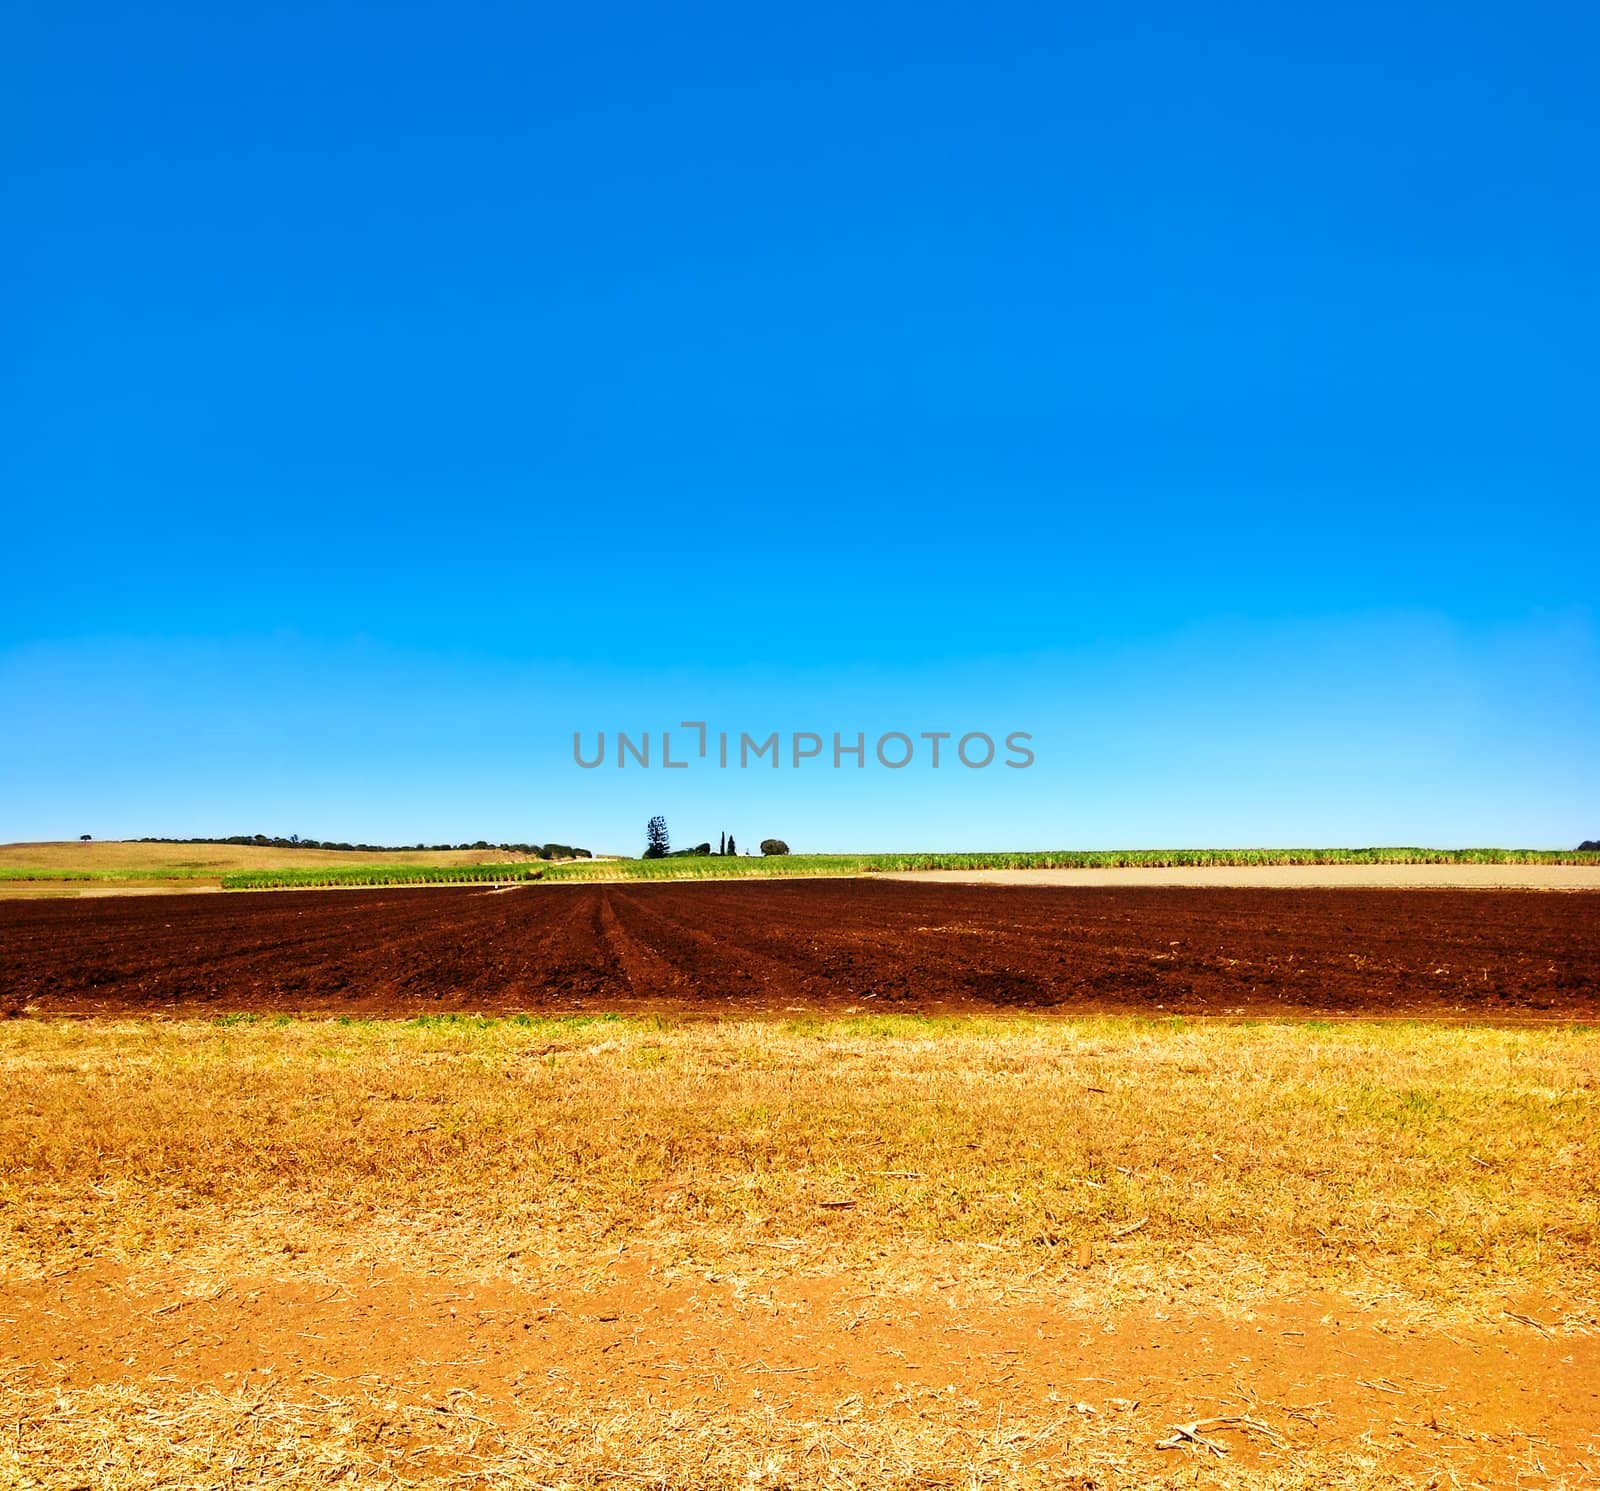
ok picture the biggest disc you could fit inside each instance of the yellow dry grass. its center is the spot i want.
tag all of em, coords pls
(127, 856)
(1212, 1166)
(127, 865)
(260, 1437)
(1440, 1165)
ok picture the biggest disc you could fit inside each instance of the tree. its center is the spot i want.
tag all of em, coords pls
(732, 848)
(84, 838)
(722, 844)
(656, 843)
(774, 846)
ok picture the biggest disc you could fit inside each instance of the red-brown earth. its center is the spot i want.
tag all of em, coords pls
(862, 944)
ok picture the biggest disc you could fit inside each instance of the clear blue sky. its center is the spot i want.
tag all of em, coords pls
(390, 391)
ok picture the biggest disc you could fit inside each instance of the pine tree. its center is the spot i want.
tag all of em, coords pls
(722, 844)
(732, 848)
(656, 843)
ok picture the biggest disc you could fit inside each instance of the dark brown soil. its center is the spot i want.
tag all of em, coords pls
(812, 944)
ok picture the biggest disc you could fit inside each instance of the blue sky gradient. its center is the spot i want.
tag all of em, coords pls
(389, 392)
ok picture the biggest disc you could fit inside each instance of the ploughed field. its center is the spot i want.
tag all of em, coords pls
(861, 944)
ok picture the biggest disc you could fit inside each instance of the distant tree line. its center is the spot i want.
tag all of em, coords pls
(657, 844)
(294, 841)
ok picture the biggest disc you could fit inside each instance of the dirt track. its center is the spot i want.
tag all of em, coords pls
(1490, 1401)
(1289, 877)
(865, 944)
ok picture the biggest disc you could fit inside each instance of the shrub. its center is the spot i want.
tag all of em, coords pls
(774, 846)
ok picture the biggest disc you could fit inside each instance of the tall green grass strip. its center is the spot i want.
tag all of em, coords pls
(716, 867)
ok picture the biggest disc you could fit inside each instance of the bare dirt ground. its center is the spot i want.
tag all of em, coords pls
(1292, 877)
(817, 1380)
(823, 944)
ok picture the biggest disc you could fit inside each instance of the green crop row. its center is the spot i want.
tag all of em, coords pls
(716, 867)
(338, 875)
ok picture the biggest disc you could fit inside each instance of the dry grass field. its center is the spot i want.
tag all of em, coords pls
(120, 866)
(828, 1251)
